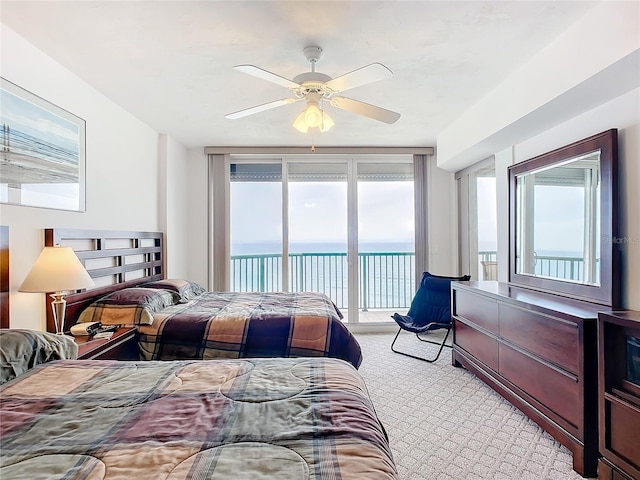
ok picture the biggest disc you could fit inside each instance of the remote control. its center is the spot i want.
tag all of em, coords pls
(105, 335)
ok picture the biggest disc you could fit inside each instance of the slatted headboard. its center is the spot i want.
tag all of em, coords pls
(114, 259)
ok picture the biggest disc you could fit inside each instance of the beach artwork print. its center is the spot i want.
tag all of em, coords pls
(43, 152)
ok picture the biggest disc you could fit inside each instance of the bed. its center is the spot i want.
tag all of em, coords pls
(194, 323)
(266, 418)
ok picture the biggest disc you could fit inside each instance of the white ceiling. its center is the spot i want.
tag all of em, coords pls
(169, 63)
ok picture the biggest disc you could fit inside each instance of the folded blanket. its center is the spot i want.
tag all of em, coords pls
(21, 350)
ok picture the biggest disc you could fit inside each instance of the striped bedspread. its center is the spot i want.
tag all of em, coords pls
(249, 324)
(272, 419)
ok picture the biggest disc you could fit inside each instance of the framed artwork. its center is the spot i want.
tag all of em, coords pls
(43, 152)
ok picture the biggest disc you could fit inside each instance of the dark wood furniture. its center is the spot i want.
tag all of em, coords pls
(122, 345)
(538, 351)
(619, 395)
(534, 339)
(4, 276)
(114, 259)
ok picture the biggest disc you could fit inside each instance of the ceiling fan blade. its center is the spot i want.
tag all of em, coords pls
(265, 75)
(261, 108)
(361, 108)
(362, 76)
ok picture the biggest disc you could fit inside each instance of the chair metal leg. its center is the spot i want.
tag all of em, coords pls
(442, 345)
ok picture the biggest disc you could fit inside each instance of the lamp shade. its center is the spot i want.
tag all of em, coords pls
(327, 122)
(311, 117)
(56, 269)
(300, 124)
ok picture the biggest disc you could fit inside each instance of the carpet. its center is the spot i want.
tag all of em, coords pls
(444, 423)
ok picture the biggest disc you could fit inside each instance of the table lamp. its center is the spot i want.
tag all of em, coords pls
(57, 269)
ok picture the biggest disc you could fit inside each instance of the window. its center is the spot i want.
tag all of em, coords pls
(477, 221)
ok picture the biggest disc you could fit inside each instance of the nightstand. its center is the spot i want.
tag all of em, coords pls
(122, 345)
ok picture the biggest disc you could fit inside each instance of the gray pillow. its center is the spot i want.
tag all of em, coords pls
(21, 350)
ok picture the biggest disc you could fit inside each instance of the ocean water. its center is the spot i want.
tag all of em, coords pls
(265, 248)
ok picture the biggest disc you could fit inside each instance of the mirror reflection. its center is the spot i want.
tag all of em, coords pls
(558, 221)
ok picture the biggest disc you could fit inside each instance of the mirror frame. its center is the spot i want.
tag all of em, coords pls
(608, 291)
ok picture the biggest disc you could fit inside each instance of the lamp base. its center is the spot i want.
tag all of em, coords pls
(58, 306)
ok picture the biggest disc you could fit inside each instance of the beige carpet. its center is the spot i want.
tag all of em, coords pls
(444, 423)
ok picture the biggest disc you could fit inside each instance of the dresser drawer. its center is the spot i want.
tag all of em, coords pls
(551, 338)
(559, 392)
(478, 344)
(607, 472)
(623, 425)
(479, 310)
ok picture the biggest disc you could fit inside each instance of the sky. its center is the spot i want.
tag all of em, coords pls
(487, 214)
(318, 212)
(35, 120)
(559, 213)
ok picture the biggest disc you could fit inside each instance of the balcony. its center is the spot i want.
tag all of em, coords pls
(567, 268)
(386, 279)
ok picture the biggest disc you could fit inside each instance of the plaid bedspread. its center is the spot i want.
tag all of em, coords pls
(249, 324)
(279, 418)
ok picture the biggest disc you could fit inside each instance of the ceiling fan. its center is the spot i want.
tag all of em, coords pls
(315, 87)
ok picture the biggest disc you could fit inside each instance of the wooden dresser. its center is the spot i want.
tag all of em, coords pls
(539, 351)
(619, 395)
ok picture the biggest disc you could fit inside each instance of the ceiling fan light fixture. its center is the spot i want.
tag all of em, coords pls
(300, 124)
(313, 117)
(327, 122)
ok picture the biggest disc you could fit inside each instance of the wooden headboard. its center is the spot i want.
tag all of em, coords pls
(4, 276)
(114, 259)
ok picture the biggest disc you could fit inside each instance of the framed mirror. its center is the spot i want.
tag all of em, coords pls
(562, 221)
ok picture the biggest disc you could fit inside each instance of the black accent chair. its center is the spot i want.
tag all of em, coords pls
(430, 310)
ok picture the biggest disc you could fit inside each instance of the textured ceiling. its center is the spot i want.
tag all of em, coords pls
(169, 63)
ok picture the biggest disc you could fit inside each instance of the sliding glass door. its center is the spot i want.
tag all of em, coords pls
(477, 221)
(344, 225)
(386, 239)
(255, 222)
(317, 199)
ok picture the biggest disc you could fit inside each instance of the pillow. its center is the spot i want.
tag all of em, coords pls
(21, 350)
(431, 303)
(186, 289)
(129, 306)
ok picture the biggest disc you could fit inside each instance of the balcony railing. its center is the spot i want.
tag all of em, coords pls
(568, 268)
(386, 279)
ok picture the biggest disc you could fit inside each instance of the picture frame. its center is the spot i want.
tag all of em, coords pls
(43, 157)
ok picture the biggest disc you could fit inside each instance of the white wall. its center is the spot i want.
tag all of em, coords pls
(122, 169)
(592, 62)
(441, 216)
(503, 160)
(198, 217)
(173, 205)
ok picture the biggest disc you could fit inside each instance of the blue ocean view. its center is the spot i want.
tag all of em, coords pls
(559, 253)
(265, 248)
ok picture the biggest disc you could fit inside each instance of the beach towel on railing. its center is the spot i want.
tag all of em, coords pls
(249, 324)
